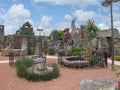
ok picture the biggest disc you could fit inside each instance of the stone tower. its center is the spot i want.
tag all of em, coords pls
(1, 33)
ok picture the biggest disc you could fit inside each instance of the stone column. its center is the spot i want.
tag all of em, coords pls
(24, 44)
(39, 47)
(2, 33)
(1, 36)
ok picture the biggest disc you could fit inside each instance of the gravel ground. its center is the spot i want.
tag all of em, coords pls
(69, 78)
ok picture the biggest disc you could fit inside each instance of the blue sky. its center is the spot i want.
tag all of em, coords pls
(55, 14)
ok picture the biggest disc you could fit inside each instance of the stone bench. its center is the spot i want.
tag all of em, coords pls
(98, 84)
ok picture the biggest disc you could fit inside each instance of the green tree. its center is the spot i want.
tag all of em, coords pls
(60, 34)
(91, 29)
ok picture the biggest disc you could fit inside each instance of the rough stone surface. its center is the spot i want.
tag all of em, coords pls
(1, 36)
(54, 35)
(39, 66)
(17, 52)
(98, 84)
(75, 63)
(1, 33)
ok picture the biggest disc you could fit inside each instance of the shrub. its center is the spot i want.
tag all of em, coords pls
(31, 47)
(31, 50)
(117, 57)
(76, 51)
(45, 49)
(91, 60)
(117, 88)
(22, 66)
(51, 51)
(61, 53)
(117, 74)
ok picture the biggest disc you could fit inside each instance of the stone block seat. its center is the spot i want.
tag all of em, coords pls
(98, 84)
(74, 62)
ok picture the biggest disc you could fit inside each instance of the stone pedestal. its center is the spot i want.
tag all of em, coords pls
(39, 64)
(39, 67)
(39, 49)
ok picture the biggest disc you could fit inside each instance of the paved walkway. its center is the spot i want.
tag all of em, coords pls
(55, 57)
(7, 61)
(69, 78)
(115, 62)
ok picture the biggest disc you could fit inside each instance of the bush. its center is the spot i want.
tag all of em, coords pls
(76, 51)
(91, 60)
(51, 51)
(22, 66)
(45, 49)
(31, 47)
(31, 50)
(117, 57)
(117, 88)
(61, 53)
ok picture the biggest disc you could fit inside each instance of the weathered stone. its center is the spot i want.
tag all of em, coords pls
(17, 52)
(1, 33)
(39, 47)
(26, 29)
(24, 43)
(39, 66)
(74, 62)
(54, 35)
(98, 84)
(1, 36)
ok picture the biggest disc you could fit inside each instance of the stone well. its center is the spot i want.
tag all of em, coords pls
(74, 62)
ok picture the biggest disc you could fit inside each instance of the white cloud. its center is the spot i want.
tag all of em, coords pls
(106, 21)
(83, 16)
(15, 16)
(45, 22)
(67, 17)
(58, 1)
(70, 2)
(63, 25)
(117, 25)
(85, 3)
(18, 11)
(102, 26)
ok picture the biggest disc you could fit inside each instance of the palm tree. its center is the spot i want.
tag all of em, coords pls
(91, 30)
